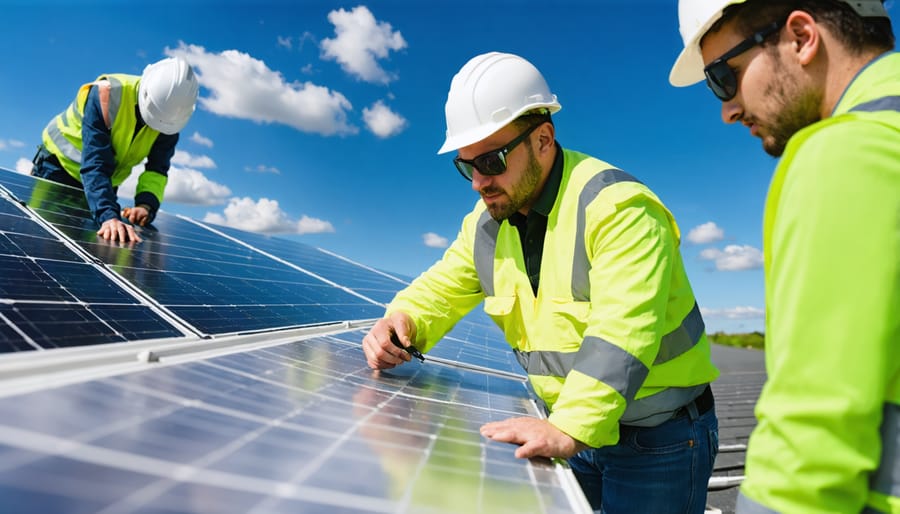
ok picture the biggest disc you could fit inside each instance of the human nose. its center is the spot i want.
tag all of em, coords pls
(479, 181)
(732, 112)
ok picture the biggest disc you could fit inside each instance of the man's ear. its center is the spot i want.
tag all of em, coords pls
(546, 136)
(804, 35)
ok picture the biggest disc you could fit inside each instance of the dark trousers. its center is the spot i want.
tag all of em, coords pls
(46, 165)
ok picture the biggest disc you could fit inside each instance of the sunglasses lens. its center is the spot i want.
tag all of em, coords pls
(492, 163)
(721, 80)
(465, 168)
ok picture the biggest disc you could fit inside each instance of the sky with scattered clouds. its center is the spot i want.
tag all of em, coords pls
(320, 120)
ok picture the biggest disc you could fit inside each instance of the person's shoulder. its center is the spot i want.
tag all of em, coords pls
(824, 162)
(848, 137)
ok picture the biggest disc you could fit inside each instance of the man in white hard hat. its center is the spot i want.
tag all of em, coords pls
(116, 122)
(817, 82)
(578, 263)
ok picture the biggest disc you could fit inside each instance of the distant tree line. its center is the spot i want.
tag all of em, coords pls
(749, 340)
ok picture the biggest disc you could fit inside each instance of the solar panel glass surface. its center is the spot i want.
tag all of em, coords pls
(52, 297)
(285, 428)
(299, 425)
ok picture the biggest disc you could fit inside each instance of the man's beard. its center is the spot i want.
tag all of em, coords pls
(521, 193)
(796, 109)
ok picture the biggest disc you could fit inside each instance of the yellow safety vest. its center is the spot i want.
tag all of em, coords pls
(118, 99)
(614, 333)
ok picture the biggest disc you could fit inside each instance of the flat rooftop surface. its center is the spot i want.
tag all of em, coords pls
(736, 392)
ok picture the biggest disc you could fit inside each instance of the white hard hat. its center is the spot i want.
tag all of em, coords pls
(167, 94)
(490, 91)
(695, 17)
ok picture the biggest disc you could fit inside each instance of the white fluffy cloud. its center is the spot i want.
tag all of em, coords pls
(185, 186)
(741, 312)
(243, 87)
(191, 187)
(285, 41)
(262, 168)
(182, 158)
(360, 40)
(10, 143)
(435, 241)
(265, 216)
(201, 140)
(734, 257)
(23, 166)
(382, 121)
(288, 41)
(706, 233)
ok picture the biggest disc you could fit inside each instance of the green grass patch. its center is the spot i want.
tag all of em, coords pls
(755, 340)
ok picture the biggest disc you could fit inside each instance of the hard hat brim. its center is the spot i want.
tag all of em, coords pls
(482, 132)
(688, 67)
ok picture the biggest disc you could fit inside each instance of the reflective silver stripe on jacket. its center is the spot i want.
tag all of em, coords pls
(485, 247)
(886, 479)
(672, 345)
(488, 228)
(65, 147)
(597, 358)
(887, 103)
(75, 113)
(581, 266)
(612, 365)
(682, 338)
(115, 99)
(546, 363)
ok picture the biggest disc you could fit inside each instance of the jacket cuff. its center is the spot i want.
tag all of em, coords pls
(148, 200)
(106, 215)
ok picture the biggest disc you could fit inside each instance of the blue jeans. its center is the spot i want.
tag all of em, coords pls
(660, 470)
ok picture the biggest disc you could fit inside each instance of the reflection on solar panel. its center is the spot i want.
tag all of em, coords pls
(51, 296)
(236, 381)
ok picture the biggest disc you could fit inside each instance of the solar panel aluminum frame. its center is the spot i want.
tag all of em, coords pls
(27, 371)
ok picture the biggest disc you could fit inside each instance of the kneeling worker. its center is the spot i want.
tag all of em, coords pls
(116, 122)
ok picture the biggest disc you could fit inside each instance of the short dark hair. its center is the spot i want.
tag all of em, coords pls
(532, 117)
(856, 33)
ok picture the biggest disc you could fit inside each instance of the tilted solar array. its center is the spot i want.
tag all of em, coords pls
(207, 369)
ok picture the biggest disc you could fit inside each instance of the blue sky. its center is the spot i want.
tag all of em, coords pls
(320, 120)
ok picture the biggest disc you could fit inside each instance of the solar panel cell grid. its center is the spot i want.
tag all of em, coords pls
(286, 428)
(372, 284)
(276, 428)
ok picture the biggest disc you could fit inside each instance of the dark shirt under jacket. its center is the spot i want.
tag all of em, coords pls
(533, 227)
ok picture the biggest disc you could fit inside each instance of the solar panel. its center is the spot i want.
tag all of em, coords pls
(374, 284)
(50, 296)
(250, 395)
(274, 429)
(212, 283)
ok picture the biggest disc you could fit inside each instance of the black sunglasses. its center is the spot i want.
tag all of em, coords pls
(720, 77)
(493, 162)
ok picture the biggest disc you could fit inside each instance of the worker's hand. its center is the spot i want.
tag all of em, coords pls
(381, 353)
(537, 437)
(137, 215)
(115, 230)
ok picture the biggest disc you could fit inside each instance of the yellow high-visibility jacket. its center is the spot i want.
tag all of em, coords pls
(828, 437)
(614, 333)
(118, 98)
